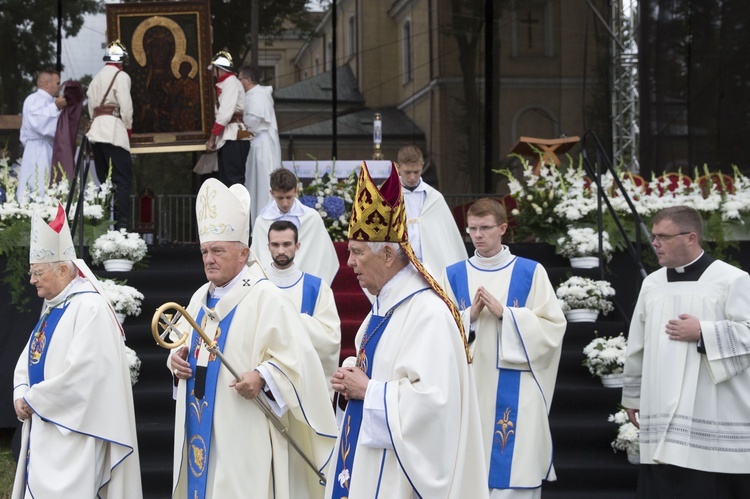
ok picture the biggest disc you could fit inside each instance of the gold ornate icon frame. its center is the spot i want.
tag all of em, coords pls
(169, 44)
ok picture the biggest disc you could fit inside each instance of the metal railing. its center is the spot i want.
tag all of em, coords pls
(173, 219)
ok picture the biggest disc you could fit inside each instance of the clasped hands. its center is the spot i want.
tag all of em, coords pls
(249, 387)
(483, 298)
(351, 382)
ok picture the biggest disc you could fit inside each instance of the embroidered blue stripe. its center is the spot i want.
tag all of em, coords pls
(200, 412)
(310, 291)
(504, 432)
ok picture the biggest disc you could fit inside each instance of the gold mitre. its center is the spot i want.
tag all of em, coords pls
(378, 215)
(223, 213)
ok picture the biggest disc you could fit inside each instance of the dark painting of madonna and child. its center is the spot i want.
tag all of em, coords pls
(169, 53)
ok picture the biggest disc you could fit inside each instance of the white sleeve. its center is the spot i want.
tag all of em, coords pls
(374, 432)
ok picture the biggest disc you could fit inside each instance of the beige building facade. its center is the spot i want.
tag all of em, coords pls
(549, 67)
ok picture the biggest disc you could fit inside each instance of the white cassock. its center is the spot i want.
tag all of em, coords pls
(313, 298)
(81, 441)
(248, 456)
(433, 233)
(316, 256)
(523, 348)
(420, 434)
(265, 149)
(38, 126)
(694, 407)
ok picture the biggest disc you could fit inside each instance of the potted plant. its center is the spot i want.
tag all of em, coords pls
(134, 363)
(582, 299)
(627, 436)
(605, 357)
(581, 246)
(118, 250)
(126, 300)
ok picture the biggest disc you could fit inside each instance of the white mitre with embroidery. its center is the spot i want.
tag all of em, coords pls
(51, 243)
(223, 213)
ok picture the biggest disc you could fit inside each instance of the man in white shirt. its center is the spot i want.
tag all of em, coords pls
(310, 295)
(39, 123)
(433, 233)
(317, 255)
(265, 149)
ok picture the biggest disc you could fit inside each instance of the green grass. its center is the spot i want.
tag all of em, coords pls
(7, 465)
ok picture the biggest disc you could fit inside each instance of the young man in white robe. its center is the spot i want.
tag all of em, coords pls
(265, 149)
(225, 446)
(38, 126)
(686, 380)
(311, 296)
(317, 254)
(411, 427)
(516, 329)
(71, 386)
(433, 233)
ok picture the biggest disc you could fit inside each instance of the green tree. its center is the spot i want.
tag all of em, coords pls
(28, 43)
(230, 20)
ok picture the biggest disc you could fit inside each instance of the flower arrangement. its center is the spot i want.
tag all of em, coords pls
(15, 221)
(134, 363)
(553, 197)
(605, 355)
(332, 198)
(583, 242)
(536, 198)
(627, 433)
(581, 292)
(118, 244)
(124, 299)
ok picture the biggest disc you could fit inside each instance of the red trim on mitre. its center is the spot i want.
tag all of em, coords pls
(59, 220)
(391, 188)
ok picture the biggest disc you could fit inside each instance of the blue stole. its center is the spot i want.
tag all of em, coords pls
(509, 380)
(200, 412)
(40, 339)
(355, 408)
(310, 291)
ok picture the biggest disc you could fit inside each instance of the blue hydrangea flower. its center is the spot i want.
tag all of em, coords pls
(309, 201)
(334, 206)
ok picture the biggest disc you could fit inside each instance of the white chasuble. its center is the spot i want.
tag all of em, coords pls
(525, 343)
(248, 455)
(430, 419)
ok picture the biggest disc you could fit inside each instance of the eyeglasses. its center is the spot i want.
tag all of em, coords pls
(37, 273)
(482, 229)
(666, 237)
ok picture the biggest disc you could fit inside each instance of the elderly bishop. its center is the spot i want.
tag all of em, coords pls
(224, 444)
(411, 427)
